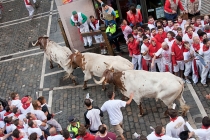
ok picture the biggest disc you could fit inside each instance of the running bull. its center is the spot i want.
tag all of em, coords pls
(58, 54)
(95, 64)
(164, 86)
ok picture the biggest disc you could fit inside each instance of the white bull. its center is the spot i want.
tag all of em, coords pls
(96, 64)
(57, 54)
(159, 85)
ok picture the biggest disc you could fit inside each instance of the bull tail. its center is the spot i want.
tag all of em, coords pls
(183, 106)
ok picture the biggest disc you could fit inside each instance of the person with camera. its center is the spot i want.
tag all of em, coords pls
(80, 20)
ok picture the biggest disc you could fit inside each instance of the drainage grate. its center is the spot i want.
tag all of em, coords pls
(6, 57)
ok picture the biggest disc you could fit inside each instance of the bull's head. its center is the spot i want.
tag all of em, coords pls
(76, 59)
(42, 42)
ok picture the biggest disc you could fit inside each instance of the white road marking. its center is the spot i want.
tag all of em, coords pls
(52, 73)
(44, 59)
(197, 101)
(21, 57)
(6, 1)
(50, 100)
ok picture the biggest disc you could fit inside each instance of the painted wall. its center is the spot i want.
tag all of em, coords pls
(65, 12)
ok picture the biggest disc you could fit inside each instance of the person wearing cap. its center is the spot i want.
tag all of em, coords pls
(73, 127)
(111, 32)
(26, 105)
(80, 20)
(134, 16)
(108, 13)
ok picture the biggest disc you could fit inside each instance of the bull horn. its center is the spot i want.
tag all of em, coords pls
(99, 82)
(109, 66)
(76, 51)
(34, 44)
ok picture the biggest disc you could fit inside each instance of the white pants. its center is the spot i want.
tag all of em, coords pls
(188, 68)
(158, 62)
(83, 29)
(30, 10)
(199, 68)
(163, 67)
(136, 59)
(99, 38)
(34, 1)
(179, 66)
(204, 73)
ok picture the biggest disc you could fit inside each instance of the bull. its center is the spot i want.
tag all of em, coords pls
(95, 64)
(56, 53)
(164, 86)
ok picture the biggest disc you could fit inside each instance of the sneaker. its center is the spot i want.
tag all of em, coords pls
(187, 81)
(205, 85)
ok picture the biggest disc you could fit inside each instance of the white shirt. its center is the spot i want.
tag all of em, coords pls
(10, 128)
(173, 129)
(40, 115)
(205, 54)
(152, 136)
(166, 56)
(2, 124)
(151, 26)
(167, 29)
(186, 37)
(56, 137)
(39, 123)
(36, 130)
(170, 43)
(16, 103)
(20, 117)
(144, 48)
(27, 110)
(113, 109)
(182, 24)
(10, 115)
(203, 134)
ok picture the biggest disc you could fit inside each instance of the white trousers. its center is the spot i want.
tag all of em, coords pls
(83, 29)
(30, 10)
(163, 67)
(179, 66)
(158, 62)
(188, 68)
(204, 73)
(136, 60)
(99, 38)
(199, 68)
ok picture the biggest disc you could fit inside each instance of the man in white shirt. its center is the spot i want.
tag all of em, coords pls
(34, 128)
(176, 124)
(189, 35)
(15, 99)
(38, 112)
(22, 127)
(18, 135)
(26, 105)
(170, 26)
(202, 133)
(113, 106)
(9, 126)
(145, 53)
(54, 135)
(151, 22)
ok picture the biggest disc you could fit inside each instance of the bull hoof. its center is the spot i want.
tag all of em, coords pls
(84, 88)
(139, 115)
(51, 67)
(103, 89)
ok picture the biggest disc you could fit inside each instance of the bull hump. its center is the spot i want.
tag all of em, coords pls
(119, 81)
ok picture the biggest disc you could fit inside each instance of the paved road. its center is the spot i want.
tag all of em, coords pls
(24, 70)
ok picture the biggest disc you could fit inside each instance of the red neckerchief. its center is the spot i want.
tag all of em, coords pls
(151, 23)
(18, 138)
(190, 36)
(170, 39)
(68, 139)
(203, 127)
(17, 115)
(201, 38)
(205, 22)
(8, 124)
(165, 25)
(192, 1)
(123, 27)
(174, 29)
(186, 50)
(180, 22)
(25, 106)
(7, 113)
(196, 46)
(1, 135)
(94, 23)
(20, 127)
(159, 135)
(196, 24)
(205, 48)
(173, 119)
(147, 44)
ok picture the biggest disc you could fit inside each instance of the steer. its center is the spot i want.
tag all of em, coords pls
(159, 85)
(96, 64)
(56, 53)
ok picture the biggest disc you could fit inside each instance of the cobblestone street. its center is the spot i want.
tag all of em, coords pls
(23, 70)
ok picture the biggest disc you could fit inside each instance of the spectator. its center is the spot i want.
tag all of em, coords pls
(66, 135)
(50, 120)
(125, 29)
(203, 133)
(26, 105)
(4, 136)
(134, 16)
(134, 51)
(73, 126)
(54, 135)
(9, 126)
(161, 35)
(153, 32)
(113, 106)
(80, 20)
(151, 22)
(33, 136)
(205, 21)
(179, 32)
(145, 53)
(92, 116)
(108, 13)
(169, 26)
(181, 22)
(175, 27)
(103, 134)
(15, 99)
(17, 114)
(186, 135)
(171, 7)
(8, 112)
(170, 39)
(18, 135)
(84, 135)
(192, 7)
(33, 128)
(198, 24)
